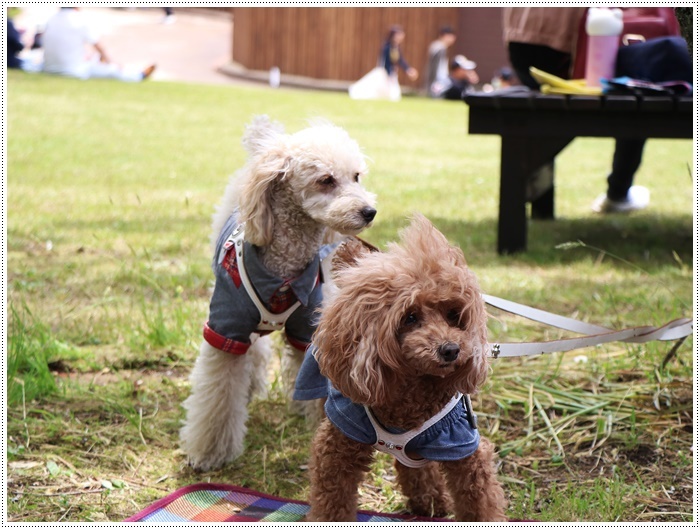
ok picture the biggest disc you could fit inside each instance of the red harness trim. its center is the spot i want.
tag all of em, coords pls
(235, 347)
(297, 344)
(222, 343)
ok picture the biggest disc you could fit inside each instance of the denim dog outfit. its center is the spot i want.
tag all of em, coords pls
(279, 304)
(450, 435)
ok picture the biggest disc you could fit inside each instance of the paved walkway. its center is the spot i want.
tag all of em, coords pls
(192, 48)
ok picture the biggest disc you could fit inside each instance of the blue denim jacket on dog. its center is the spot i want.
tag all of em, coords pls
(450, 439)
(232, 314)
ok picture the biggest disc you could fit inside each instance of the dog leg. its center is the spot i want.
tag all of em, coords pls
(260, 351)
(311, 410)
(217, 409)
(291, 362)
(337, 467)
(476, 492)
(425, 490)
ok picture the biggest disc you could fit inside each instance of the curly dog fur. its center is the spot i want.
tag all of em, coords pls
(293, 189)
(382, 342)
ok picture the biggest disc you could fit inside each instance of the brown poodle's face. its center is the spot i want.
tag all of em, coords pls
(435, 337)
(411, 312)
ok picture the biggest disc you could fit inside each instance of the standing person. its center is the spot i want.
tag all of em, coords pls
(392, 55)
(65, 39)
(545, 37)
(437, 70)
(382, 82)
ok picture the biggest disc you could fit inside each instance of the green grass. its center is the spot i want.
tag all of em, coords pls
(110, 191)
(30, 349)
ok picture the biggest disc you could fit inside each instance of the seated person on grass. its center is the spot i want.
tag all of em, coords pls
(462, 78)
(65, 39)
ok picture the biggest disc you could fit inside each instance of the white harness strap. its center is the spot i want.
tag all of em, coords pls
(268, 320)
(593, 334)
(394, 443)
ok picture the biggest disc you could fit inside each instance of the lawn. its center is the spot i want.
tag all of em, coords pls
(109, 191)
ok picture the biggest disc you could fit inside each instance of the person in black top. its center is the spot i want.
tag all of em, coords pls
(462, 78)
(14, 46)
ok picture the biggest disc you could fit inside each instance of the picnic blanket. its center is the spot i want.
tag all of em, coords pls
(211, 502)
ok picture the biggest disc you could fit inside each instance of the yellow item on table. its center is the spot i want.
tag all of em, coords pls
(551, 84)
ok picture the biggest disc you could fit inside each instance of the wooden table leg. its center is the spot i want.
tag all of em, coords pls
(512, 215)
(520, 156)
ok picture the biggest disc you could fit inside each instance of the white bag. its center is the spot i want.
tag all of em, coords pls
(377, 84)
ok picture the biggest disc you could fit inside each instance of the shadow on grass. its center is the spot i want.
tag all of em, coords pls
(646, 240)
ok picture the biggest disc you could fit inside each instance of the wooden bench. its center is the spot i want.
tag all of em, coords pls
(534, 128)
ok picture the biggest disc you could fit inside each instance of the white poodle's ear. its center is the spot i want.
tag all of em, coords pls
(261, 134)
(264, 141)
(256, 195)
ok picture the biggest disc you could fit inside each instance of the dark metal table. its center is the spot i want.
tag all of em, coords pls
(534, 128)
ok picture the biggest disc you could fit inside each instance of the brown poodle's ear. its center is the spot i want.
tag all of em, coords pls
(357, 340)
(425, 239)
(469, 379)
(348, 253)
(256, 196)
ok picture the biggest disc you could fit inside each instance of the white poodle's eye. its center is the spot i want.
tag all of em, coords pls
(357, 177)
(327, 181)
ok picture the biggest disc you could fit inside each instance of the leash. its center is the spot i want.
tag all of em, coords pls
(593, 334)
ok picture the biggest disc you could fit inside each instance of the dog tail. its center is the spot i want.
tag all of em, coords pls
(259, 132)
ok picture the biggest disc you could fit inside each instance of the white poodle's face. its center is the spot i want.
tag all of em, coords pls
(324, 174)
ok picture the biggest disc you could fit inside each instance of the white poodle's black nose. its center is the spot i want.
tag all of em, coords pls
(449, 351)
(368, 214)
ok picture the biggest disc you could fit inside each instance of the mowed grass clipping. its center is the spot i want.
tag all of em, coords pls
(110, 189)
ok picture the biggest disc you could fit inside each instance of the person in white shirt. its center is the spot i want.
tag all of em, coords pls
(67, 41)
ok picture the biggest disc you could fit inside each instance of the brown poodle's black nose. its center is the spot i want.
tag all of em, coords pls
(449, 351)
(368, 214)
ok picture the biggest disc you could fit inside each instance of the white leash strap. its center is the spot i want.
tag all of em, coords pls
(268, 320)
(594, 334)
(541, 316)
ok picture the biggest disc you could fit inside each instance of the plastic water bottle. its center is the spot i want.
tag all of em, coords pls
(603, 26)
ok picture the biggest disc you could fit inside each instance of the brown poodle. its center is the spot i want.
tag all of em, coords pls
(403, 345)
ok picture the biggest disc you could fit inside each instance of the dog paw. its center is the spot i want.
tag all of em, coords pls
(429, 506)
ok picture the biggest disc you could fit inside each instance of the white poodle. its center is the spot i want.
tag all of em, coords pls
(276, 211)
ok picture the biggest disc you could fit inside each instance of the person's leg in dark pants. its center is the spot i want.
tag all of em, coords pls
(622, 196)
(626, 161)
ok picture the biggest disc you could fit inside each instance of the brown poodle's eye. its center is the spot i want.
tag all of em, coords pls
(453, 317)
(410, 319)
(327, 181)
(357, 177)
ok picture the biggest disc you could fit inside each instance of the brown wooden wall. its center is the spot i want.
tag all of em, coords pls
(480, 37)
(340, 43)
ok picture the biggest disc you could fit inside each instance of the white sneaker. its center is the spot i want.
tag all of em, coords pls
(637, 198)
